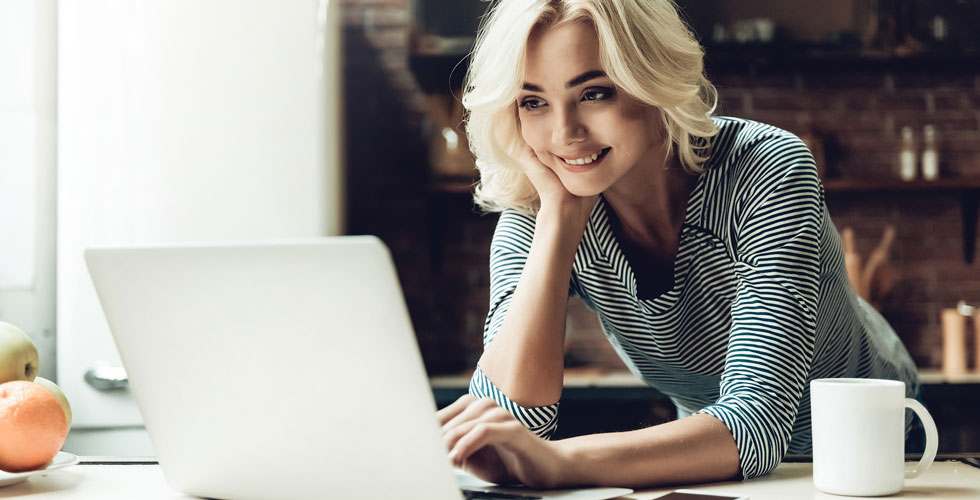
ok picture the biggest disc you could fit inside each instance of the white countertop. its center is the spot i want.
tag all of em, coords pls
(794, 481)
(790, 481)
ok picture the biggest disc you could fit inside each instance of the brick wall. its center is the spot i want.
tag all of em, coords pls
(388, 175)
(858, 114)
(441, 245)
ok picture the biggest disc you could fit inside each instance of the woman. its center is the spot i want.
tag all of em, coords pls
(703, 243)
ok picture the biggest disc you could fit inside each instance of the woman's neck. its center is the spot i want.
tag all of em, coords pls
(650, 202)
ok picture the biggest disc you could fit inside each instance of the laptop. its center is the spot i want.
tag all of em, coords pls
(282, 369)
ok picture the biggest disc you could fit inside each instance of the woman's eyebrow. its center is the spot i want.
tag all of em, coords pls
(574, 82)
(584, 77)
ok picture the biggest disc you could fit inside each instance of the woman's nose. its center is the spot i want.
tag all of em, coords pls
(568, 129)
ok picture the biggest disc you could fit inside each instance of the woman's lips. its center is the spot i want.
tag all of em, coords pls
(571, 167)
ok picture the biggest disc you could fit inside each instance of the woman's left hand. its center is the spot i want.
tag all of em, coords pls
(488, 442)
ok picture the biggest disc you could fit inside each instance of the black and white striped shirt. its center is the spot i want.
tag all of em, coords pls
(760, 306)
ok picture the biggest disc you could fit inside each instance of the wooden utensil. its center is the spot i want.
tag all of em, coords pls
(976, 340)
(874, 278)
(878, 277)
(954, 342)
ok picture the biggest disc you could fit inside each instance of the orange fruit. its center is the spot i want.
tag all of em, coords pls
(32, 426)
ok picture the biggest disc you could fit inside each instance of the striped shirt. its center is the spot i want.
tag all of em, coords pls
(761, 303)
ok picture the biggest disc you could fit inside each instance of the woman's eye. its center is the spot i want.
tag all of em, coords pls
(597, 94)
(531, 104)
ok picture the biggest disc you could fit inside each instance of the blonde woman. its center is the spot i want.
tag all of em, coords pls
(703, 244)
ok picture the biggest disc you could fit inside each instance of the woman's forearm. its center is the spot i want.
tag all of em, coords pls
(525, 359)
(695, 449)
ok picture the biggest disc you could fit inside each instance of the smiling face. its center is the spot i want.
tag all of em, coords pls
(579, 124)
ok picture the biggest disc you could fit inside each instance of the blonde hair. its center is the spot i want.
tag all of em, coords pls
(645, 49)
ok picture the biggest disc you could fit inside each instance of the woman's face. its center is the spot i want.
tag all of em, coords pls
(575, 119)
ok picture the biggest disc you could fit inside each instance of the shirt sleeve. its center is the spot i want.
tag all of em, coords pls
(777, 214)
(508, 254)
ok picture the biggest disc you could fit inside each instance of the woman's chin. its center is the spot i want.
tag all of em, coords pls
(583, 189)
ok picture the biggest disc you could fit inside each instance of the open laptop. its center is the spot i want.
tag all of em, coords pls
(283, 369)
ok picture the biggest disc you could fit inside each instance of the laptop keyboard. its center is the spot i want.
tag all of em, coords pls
(490, 495)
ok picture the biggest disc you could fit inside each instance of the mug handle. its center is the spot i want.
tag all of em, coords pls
(932, 438)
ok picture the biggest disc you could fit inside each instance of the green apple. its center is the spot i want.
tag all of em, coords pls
(18, 354)
(60, 396)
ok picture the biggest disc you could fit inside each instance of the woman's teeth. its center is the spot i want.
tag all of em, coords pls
(583, 161)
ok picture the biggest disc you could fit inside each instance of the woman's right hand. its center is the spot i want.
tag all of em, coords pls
(489, 443)
(551, 192)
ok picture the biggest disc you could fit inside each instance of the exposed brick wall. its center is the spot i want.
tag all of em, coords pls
(441, 246)
(863, 111)
(388, 175)
(386, 153)
(859, 115)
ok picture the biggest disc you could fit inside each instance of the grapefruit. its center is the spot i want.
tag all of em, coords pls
(33, 426)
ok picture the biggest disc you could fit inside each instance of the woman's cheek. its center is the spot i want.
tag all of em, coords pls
(527, 133)
(545, 159)
(534, 141)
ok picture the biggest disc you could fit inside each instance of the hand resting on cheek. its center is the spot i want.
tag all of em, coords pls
(551, 191)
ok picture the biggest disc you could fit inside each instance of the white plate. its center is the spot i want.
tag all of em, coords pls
(61, 460)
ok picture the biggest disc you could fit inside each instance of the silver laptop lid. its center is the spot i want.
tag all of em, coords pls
(276, 370)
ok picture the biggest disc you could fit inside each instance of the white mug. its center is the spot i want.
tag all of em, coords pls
(858, 428)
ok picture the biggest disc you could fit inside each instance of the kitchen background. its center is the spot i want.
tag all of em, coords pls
(852, 77)
(124, 122)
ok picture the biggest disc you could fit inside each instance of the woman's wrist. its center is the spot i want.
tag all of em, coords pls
(571, 211)
(574, 463)
(562, 226)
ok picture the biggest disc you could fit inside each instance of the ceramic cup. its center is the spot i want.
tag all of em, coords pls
(859, 436)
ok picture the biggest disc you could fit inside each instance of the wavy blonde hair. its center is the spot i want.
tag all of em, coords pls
(645, 49)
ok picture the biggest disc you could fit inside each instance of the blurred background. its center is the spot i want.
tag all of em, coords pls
(188, 112)
(853, 78)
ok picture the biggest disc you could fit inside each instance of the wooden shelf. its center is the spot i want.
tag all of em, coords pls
(868, 185)
(465, 185)
(801, 57)
(452, 185)
(747, 57)
(933, 376)
(967, 188)
(599, 379)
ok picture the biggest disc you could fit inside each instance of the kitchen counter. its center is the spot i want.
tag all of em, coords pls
(114, 478)
(609, 401)
(946, 480)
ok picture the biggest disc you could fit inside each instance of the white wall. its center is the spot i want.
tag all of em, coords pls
(185, 121)
(144, 121)
(27, 171)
